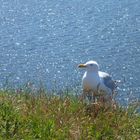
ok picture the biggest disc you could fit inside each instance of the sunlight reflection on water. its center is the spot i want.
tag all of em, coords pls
(46, 40)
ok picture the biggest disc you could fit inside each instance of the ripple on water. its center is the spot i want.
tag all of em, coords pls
(46, 40)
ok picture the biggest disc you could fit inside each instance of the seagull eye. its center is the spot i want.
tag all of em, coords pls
(91, 64)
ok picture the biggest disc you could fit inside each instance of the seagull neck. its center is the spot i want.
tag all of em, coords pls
(92, 72)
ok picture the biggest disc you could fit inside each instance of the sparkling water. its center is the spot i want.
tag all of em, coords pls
(45, 40)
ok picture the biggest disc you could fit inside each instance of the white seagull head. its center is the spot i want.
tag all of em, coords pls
(91, 66)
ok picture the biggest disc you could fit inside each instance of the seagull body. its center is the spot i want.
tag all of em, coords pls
(95, 80)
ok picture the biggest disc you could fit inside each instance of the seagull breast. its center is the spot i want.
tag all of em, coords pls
(90, 81)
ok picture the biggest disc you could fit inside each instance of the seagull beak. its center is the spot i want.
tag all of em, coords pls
(82, 66)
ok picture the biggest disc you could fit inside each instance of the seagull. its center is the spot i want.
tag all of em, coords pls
(95, 80)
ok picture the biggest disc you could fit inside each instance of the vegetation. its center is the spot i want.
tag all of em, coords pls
(26, 116)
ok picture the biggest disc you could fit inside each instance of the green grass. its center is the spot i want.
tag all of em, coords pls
(24, 116)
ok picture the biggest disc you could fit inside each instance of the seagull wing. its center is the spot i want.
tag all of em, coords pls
(107, 80)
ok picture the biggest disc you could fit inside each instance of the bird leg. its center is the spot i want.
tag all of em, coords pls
(93, 96)
(83, 96)
(98, 87)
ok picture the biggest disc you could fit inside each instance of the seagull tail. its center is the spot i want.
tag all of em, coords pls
(117, 82)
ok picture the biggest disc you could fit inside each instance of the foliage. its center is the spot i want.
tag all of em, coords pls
(24, 115)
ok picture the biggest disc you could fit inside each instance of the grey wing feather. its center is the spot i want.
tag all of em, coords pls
(107, 80)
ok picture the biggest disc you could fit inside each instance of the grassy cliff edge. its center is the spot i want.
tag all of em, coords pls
(27, 116)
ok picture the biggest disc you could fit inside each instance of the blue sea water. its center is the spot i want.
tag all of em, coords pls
(45, 40)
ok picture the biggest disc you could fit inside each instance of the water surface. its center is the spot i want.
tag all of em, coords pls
(45, 40)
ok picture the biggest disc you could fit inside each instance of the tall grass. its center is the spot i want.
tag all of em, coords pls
(41, 117)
